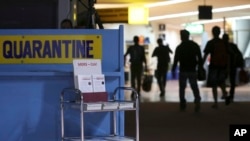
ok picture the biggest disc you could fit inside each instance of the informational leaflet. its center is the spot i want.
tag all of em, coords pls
(98, 83)
(86, 67)
(84, 83)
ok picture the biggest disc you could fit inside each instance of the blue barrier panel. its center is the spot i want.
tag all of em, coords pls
(30, 92)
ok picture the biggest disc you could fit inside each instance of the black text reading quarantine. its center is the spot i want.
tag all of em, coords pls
(47, 49)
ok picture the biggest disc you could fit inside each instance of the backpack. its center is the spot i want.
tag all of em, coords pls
(220, 55)
(147, 82)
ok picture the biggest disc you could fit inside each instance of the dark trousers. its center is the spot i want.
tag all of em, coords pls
(232, 78)
(217, 78)
(192, 78)
(136, 75)
(160, 75)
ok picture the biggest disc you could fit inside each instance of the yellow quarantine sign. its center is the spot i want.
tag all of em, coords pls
(47, 49)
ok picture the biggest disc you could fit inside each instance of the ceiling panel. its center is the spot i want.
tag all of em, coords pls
(128, 1)
(185, 7)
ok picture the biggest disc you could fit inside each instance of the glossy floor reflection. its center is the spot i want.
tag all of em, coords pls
(161, 119)
(242, 93)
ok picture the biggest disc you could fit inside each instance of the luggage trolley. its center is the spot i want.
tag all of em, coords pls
(74, 97)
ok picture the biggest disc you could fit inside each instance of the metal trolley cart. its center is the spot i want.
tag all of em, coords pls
(112, 105)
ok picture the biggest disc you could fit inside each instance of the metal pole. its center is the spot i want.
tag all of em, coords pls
(62, 116)
(82, 118)
(137, 117)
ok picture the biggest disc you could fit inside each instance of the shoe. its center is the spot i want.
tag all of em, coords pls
(162, 94)
(223, 97)
(215, 106)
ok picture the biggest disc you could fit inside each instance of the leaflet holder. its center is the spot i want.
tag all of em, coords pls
(88, 78)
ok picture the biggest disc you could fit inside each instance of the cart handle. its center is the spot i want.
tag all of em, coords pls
(125, 88)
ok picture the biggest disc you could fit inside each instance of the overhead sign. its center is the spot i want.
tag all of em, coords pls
(113, 15)
(47, 49)
(195, 28)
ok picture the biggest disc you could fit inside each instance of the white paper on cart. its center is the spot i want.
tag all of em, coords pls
(98, 83)
(86, 67)
(84, 83)
(110, 105)
(125, 105)
(93, 106)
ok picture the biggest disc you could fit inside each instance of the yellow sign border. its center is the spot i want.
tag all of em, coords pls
(49, 49)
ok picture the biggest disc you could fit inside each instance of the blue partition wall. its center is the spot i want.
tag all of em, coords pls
(30, 93)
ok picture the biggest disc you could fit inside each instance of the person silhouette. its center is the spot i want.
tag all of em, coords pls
(236, 61)
(188, 55)
(162, 53)
(137, 58)
(217, 70)
(66, 24)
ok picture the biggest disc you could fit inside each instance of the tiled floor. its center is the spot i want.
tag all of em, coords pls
(242, 93)
(161, 120)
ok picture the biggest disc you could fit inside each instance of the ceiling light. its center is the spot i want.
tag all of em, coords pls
(156, 4)
(217, 10)
(106, 6)
(225, 9)
(173, 16)
(207, 21)
(219, 20)
(137, 14)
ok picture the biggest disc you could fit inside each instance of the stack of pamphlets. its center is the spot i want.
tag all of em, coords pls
(84, 83)
(126, 105)
(93, 106)
(110, 105)
(98, 81)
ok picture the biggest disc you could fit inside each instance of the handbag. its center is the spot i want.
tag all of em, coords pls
(243, 76)
(147, 82)
(202, 75)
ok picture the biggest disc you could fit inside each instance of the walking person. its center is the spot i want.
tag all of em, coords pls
(217, 70)
(236, 61)
(188, 55)
(137, 58)
(162, 53)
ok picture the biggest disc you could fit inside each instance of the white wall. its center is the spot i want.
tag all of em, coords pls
(173, 37)
(242, 35)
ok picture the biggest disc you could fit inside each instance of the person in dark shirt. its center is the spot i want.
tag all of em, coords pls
(236, 61)
(137, 58)
(217, 70)
(162, 53)
(188, 55)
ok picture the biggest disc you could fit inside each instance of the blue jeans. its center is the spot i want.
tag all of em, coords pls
(192, 78)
